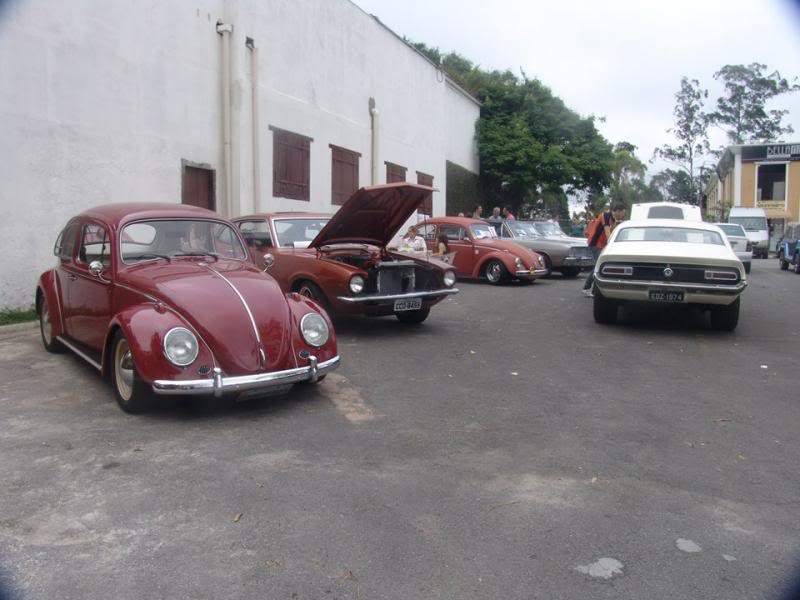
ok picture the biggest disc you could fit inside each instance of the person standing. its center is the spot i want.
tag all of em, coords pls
(599, 232)
(496, 220)
(476, 214)
(508, 215)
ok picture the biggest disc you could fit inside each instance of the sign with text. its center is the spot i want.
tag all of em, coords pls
(771, 152)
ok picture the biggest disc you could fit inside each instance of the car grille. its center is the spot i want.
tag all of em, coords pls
(396, 277)
(680, 273)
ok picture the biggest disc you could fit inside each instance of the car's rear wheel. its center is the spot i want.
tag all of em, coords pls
(570, 272)
(413, 317)
(133, 395)
(725, 318)
(605, 310)
(51, 344)
(496, 272)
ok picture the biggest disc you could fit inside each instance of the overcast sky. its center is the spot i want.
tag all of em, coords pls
(621, 59)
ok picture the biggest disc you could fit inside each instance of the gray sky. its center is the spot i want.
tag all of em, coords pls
(621, 59)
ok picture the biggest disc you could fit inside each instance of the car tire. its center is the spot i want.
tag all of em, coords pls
(605, 310)
(548, 264)
(51, 344)
(747, 266)
(782, 262)
(495, 272)
(725, 318)
(133, 395)
(570, 272)
(797, 265)
(413, 317)
(311, 290)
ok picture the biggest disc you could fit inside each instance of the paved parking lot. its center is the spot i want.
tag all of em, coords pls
(507, 448)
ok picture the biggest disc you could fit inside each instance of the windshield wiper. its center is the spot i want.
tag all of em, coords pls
(145, 255)
(197, 253)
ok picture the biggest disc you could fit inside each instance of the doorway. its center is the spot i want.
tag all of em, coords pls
(197, 185)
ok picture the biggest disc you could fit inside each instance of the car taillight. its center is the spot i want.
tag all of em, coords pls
(617, 270)
(721, 275)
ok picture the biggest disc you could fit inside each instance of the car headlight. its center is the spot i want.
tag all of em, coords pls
(518, 262)
(449, 278)
(356, 284)
(180, 346)
(314, 329)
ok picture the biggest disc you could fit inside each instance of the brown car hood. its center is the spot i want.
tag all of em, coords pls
(372, 215)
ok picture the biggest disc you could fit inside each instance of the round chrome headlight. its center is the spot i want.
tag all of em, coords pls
(518, 262)
(449, 278)
(314, 329)
(356, 284)
(180, 346)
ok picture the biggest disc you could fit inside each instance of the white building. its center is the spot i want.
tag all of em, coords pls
(112, 100)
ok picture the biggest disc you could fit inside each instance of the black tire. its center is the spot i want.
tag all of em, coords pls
(747, 266)
(133, 395)
(495, 272)
(605, 310)
(413, 317)
(548, 264)
(309, 289)
(570, 272)
(782, 262)
(797, 264)
(725, 318)
(51, 344)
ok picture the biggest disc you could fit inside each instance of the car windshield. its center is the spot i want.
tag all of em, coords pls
(731, 229)
(669, 234)
(750, 223)
(298, 233)
(548, 229)
(523, 229)
(170, 238)
(480, 231)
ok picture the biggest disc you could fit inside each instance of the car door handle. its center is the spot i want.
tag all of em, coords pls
(71, 277)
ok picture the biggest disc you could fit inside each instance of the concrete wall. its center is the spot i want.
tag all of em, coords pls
(101, 101)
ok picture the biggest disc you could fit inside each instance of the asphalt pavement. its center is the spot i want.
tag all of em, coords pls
(509, 447)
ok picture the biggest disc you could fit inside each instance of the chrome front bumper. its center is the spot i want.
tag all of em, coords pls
(578, 261)
(220, 384)
(530, 273)
(393, 297)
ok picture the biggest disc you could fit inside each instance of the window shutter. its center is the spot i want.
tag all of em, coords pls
(291, 165)
(395, 173)
(344, 174)
(426, 207)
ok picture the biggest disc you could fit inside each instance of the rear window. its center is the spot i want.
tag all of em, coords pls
(750, 223)
(669, 234)
(731, 229)
(665, 212)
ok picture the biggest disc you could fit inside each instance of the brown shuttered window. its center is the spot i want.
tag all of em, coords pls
(344, 174)
(291, 165)
(426, 208)
(395, 173)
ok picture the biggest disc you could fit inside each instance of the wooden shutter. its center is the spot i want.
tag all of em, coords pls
(344, 174)
(426, 208)
(291, 164)
(395, 173)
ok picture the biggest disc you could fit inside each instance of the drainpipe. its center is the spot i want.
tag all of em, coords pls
(374, 118)
(225, 31)
(256, 161)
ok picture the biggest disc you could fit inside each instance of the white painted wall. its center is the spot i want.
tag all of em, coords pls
(100, 102)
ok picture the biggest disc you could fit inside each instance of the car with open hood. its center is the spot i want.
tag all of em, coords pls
(165, 299)
(342, 261)
(565, 255)
(668, 262)
(476, 251)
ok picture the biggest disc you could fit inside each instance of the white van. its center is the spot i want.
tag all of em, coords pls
(754, 221)
(665, 210)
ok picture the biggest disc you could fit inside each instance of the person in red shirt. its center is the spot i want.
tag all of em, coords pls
(508, 215)
(599, 236)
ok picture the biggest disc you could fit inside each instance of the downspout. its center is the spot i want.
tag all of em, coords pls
(256, 160)
(225, 31)
(374, 122)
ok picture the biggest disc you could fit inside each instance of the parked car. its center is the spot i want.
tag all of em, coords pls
(560, 254)
(787, 247)
(477, 252)
(754, 221)
(740, 245)
(666, 262)
(164, 299)
(552, 230)
(665, 210)
(342, 261)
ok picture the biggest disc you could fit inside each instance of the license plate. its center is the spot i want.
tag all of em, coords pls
(410, 304)
(659, 296)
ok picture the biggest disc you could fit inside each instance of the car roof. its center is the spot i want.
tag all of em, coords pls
(115, 214)
(463, 221)
(283, 215)
(676, 223)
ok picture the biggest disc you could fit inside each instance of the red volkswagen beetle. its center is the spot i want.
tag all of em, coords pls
(476, 251)
(165, 299)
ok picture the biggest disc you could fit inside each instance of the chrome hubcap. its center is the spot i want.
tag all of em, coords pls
(123, 371)
(493, 272)
(47, 330)
(304, 291)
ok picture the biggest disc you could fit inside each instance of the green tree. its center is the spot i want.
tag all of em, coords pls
(690, 131)
(673, 185)
(742, 112)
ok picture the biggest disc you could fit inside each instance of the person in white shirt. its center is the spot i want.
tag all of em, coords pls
(412, 241)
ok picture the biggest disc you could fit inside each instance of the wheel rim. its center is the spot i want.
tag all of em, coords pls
(307, 292)
(494, 271)
(123, 370)
(47, 327)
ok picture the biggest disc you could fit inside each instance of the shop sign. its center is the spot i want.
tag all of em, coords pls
(772, 152)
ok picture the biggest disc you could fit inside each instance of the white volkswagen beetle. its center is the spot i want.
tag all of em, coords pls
(665, 261)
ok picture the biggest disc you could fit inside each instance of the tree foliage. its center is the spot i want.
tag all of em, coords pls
(742, 112)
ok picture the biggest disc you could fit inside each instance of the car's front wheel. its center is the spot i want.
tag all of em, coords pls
(725, 318)
(570, 272)
(413, 317)
(782, 262)
(496, 272)
(133, 395)
(797, 263)
(605, 310)
(51, 344)
(309, 289)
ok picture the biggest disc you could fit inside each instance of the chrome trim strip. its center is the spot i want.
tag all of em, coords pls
(80, 353)
(135, 291)
(56, 286)
(244, 302)
(220, 384)
(386, 297)
(529, 273)
(621, 284)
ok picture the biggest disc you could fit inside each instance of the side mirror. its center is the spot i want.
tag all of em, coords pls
(96, 268)
(269, 260)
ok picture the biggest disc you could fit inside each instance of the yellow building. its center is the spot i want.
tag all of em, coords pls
(758, 175)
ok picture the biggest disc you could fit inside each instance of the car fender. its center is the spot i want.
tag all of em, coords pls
(144, 327)
(47, 288)
(300, 306)
(507, 258)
